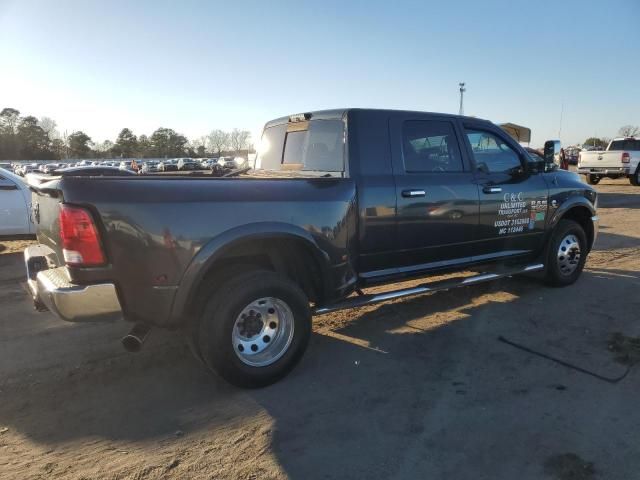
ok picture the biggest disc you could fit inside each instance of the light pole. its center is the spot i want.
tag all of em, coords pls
(462, 90)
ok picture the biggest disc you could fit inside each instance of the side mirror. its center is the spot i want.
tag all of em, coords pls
(551, 154)
(551, 150)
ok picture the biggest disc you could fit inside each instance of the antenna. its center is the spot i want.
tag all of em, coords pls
(462, 90)
(561, 112)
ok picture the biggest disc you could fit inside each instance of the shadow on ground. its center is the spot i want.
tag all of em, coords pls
(619, 200)
(409, 388)
(614, 241)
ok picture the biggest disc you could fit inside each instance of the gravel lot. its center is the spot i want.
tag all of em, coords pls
(417, 388)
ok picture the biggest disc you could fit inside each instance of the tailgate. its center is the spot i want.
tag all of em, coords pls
(611, 159)
(45, 200)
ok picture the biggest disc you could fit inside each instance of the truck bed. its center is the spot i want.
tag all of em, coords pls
(152, 228)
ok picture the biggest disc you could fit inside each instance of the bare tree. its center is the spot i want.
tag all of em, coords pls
(239, 139)
(198, 143)
(65, 145)
(49, 126)
(218, 140)
(198, 146)
(629, 131)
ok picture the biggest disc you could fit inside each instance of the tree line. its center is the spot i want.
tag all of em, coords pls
(30, 138)
(602, 142)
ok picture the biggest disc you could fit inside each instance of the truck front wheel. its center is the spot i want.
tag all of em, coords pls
(567, 254)
(254, 328)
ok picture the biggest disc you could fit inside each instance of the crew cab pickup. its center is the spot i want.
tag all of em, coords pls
(337, 201)
(620, 159)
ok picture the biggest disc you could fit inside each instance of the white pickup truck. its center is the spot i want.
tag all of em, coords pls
(620, 159)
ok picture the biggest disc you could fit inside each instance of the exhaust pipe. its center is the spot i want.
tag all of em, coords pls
(133, 340)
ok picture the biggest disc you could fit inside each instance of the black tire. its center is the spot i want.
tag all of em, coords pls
(561, 270)
(593, 179)
(634, 179)
(212, 284)
(218, 318)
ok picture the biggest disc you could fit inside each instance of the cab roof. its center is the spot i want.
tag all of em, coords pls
(340, 113)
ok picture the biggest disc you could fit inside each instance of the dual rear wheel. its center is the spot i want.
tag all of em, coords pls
(253, 329)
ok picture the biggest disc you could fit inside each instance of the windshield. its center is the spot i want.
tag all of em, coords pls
(316, 145)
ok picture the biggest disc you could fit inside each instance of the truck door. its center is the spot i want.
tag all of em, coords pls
(513, 199)
(437, 199)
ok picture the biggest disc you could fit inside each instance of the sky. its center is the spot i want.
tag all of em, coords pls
(566, 69)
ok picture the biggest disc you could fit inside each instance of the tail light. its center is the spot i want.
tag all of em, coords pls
(79, 235)
(626, 158)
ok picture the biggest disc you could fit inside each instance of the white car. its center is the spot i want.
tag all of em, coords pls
(149, 167)
(15, 205)
(50, 167)
(25, 168)
(231, 162)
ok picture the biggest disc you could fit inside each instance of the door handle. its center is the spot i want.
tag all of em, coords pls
(413, 193)
(492, 189)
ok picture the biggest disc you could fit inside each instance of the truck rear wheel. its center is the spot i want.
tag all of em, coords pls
(255, 328)
(567, 254)
(634, 178)
(593, 179)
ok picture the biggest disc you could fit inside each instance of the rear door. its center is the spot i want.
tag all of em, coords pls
(437, 199)
(513, 198)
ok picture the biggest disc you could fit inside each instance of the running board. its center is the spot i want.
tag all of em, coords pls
(370, 299)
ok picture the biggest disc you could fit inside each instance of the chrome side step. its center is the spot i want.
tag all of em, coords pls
(370, 299)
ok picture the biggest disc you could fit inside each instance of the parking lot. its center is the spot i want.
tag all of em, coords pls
(415, 388)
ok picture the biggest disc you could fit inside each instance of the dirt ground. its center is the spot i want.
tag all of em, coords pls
(416, 388)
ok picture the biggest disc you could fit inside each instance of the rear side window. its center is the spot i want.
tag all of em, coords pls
(316, 145)
(430, 146)
(630, 144)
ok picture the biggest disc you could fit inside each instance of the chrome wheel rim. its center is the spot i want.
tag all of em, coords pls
(263, 331)
(568, 254)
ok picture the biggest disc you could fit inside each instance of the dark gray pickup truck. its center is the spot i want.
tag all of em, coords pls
(338, 201)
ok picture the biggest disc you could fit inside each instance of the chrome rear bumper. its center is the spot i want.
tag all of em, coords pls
(52, 288)
(604, 171)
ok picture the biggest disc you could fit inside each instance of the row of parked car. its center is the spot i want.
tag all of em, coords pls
(175, 164)
(40, 167)
(138, 166)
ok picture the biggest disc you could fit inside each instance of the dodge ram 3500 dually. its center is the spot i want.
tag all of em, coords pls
(337, 201)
